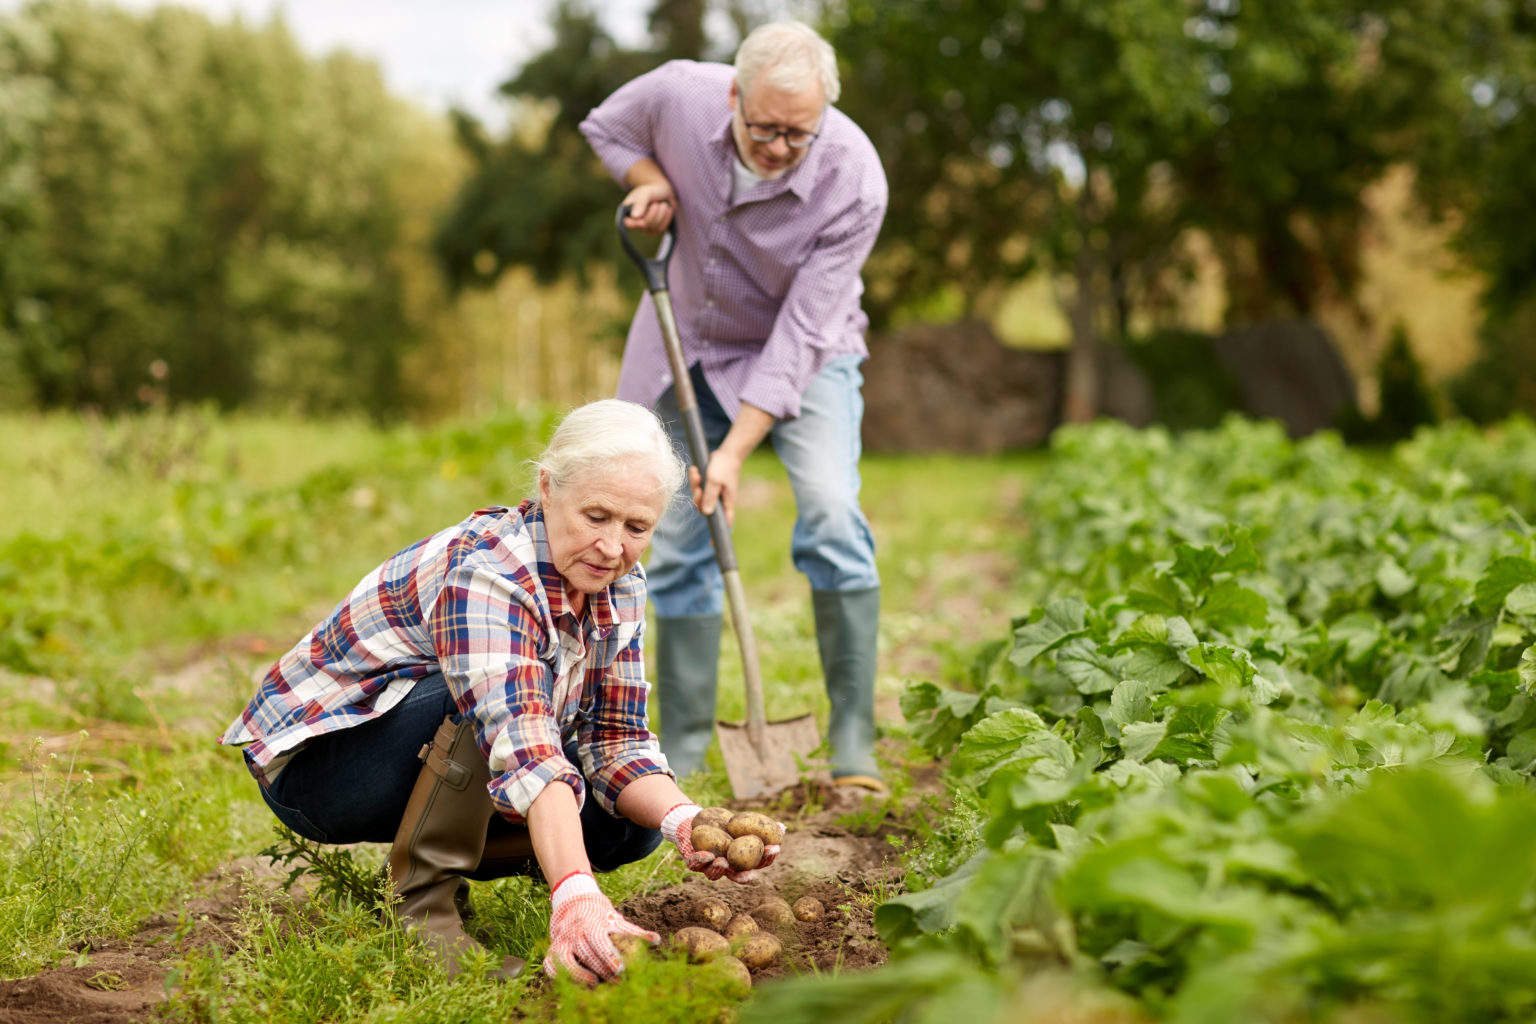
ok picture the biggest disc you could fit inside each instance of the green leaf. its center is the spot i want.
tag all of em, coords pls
(1231, 603)
(1521, 600)
(1194, 565)
(1503, 576)
(1528, 669)
(997, 738)
(1159, 594)
(1393, 580)
(1139, 739)
(1010, 892)
(1462, 644)
(1361, 634)
(1088, 670)
(1229, 669)
(1130, 702)
(1158, 666)
(1187, 736)
(1062, 621)
(927, 910)
(939, 717)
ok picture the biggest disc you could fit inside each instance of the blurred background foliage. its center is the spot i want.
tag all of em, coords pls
(195, 211)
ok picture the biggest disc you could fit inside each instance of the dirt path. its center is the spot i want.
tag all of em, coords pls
(124, 979)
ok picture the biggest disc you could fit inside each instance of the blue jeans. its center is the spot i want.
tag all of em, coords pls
(832, 543)
(351, 786)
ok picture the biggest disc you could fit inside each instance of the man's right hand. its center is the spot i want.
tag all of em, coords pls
(650, 207)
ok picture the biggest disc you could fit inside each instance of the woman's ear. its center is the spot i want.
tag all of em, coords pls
(544, 487)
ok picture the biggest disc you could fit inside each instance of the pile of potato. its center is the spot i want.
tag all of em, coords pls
(743, 943)
(739, 943)
(738, 836)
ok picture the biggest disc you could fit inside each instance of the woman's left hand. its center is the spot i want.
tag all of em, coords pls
(677, 828)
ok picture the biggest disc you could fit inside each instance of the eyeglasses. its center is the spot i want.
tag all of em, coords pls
(795, 138)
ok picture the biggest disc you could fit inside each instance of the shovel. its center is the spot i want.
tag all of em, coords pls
(762, 758)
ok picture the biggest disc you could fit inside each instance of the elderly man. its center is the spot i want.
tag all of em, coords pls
(779, 197)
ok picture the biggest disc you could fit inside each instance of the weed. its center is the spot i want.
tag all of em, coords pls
(338, 873)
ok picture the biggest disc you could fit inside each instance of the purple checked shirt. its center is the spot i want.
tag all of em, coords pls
(766, 291)
(481, 603)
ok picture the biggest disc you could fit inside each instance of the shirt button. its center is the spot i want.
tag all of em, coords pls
(711, 261)
(710, 303)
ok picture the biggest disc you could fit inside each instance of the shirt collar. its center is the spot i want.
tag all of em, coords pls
(599, 605)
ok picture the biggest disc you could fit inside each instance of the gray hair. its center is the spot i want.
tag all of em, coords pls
(789, 56)
(604, 435)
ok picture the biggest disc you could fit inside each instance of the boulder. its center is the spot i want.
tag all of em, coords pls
(1288, 370)
(957, 388)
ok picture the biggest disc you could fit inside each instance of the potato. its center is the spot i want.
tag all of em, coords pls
(774, 913)
(751, 823)
(736, 970)
(712, 912)
(744, 853)
(739, 926)
(807, 908)
(701, 943)
(714, 817)
(760, 951)
(632, 948)
(713, 840)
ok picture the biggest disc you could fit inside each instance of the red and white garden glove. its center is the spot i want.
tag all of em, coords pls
(581, 922)
(677, 829)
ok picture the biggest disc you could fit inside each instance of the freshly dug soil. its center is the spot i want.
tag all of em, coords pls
(123, 980)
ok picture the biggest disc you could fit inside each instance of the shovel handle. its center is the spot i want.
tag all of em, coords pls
(655, 270)
(653, 267)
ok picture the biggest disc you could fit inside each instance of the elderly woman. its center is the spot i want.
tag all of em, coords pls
(479, 702)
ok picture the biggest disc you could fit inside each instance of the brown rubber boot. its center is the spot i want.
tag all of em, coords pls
(506, 855)
(441, 838)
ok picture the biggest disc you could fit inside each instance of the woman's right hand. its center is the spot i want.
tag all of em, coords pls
(582, 922)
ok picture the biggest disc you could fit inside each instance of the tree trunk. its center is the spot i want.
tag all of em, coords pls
(1080, 397)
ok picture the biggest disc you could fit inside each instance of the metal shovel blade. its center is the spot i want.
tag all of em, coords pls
(758, 771)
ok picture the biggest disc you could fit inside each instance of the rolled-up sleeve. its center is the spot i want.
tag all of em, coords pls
(620, 130)
(616, 746)
(488, 638)
(821, 302)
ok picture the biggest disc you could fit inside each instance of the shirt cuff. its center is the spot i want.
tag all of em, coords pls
(515, 791)
(776, 396)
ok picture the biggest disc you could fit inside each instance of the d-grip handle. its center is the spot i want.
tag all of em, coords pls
(653, 267)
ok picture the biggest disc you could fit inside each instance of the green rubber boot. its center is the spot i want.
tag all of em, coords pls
(687, 671)
(847, 630)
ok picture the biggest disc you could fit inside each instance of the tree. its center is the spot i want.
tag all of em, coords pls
(1086, 137)
(540, 198)
(203, 196)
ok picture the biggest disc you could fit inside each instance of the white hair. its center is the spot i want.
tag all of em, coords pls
(789, 56)
(604, 435)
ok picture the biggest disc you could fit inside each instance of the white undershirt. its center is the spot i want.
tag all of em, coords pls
(742, 179)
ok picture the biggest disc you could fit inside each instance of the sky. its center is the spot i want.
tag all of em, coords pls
(437, 53)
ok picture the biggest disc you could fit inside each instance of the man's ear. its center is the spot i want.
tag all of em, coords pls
(733, 93)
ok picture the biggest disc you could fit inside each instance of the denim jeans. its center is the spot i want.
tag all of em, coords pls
(351, 786)
(832, 543)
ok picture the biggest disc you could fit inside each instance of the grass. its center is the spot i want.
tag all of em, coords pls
(149, 566)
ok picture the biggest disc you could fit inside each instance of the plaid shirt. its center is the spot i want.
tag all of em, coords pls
(766, 290)
(481, 603)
